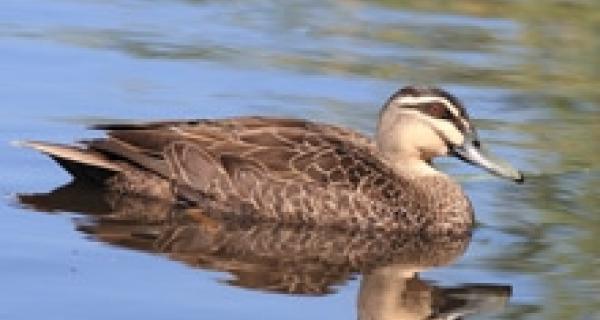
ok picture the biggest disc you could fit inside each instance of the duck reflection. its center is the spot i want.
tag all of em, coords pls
(283, 258)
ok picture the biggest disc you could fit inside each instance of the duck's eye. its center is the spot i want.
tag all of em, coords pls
(438, 111)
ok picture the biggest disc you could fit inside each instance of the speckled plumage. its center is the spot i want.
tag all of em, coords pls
(292, 171)
(278, 169)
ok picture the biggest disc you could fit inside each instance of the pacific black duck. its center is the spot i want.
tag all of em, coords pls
(296, 171)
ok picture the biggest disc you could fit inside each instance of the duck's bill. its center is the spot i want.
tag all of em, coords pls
(472, 153)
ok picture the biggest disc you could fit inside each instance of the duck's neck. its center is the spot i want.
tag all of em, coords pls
(440, 198)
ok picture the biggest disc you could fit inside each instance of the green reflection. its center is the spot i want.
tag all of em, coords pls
(544, 52)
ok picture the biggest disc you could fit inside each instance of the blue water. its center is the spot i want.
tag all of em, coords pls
(68, 63)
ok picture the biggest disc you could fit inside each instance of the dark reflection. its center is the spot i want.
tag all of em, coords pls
(284, 259)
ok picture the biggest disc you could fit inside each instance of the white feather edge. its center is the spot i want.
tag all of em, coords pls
(68, 152)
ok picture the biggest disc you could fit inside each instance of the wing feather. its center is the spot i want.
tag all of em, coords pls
(200, 152)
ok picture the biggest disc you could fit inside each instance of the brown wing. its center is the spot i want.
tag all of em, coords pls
(210, 155)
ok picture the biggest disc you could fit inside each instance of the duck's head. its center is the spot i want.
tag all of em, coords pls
(418, 124)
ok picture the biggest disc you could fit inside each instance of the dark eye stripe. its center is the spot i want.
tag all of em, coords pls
(433, 109)
(440, 111)
(437, 110)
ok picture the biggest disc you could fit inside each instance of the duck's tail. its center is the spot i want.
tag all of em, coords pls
(80, 162)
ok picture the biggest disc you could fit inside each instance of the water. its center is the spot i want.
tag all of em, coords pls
(527, 70)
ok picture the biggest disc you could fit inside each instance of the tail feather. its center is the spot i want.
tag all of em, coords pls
(78, 161)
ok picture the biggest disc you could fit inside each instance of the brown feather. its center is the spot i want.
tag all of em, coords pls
(286, 170)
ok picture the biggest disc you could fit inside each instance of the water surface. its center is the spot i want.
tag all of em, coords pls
(527, 71)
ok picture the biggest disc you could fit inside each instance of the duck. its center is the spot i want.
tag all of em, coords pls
(295, 171)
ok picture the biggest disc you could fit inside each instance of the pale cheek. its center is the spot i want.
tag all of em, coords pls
(455, 138)
(434, 150)
(449, 133)
(430, 144)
